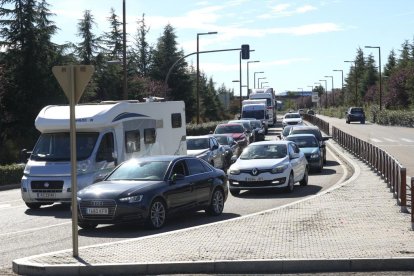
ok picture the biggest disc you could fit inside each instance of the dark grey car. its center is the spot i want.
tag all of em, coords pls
(355, 114)
(150, 189)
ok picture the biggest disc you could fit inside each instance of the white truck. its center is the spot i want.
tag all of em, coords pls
(256, 109)
(107, 134)
(269, 95)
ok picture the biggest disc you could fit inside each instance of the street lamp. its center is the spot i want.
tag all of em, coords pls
(301, 95)
(380, 81)
(342, 88)
(356, 81)
(253, 61)
(332, 90)
(198, 75)
(124, 64)
(255, 77)
(258, 81)
(261, 85)
(326, 93)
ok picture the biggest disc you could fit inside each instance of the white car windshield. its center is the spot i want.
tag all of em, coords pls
(264, 152)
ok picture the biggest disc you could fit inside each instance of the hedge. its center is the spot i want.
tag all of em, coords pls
(11, 174)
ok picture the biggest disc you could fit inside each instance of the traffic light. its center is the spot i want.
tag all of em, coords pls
(245, 51)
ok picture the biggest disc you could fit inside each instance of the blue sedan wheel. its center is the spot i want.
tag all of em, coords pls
(157, 214)
(217, 203)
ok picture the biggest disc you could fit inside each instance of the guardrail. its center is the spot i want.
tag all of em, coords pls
(324, 126)
(392, 171)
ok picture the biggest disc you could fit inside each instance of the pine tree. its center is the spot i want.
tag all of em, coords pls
(179, 87)
(391, 63)
(89, 46)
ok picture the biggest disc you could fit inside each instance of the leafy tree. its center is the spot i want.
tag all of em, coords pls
(400, 89)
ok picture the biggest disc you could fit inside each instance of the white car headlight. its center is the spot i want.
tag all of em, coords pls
(234, 171)
(279, 169)
(132, 199)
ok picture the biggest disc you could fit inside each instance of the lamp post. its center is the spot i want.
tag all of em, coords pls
(258, 81)
(332, 90)
(356, 81)
(301, 94)
(198, 75)
(253, 61)
(342, 79)
(261, 85)
(124, 64)
(320, 99)
(380, 81)
(255, 77)
(326, 93)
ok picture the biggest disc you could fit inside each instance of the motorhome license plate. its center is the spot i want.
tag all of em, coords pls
(253, 179)
(46, 195)
(97, 211)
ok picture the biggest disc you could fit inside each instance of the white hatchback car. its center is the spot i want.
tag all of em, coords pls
(268, 164)
(292, 119)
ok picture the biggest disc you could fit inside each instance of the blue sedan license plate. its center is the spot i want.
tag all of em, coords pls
(97, 211)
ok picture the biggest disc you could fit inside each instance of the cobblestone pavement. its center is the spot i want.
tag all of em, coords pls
(358, 220)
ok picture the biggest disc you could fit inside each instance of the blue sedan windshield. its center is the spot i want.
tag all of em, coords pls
(133, 170)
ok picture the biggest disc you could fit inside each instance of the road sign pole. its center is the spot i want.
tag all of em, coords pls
(74, 183)
(73, 80)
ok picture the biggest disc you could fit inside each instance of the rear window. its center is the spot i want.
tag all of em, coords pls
(315, 132)
(357, 110)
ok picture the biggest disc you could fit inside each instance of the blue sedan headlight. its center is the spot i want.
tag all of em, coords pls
(314, 155)
(132, 199)
(279, 169)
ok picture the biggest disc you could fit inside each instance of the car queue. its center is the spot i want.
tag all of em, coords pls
(233, 158)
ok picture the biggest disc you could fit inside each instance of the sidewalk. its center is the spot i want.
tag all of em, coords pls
(355, 226)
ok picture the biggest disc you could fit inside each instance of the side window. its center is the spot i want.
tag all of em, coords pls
(179, 168)
(195, 166)
(106, 148)
(149, 136)
(291, 150)
(176, 121)
(296, 148)
(132, 141)
(215, 143)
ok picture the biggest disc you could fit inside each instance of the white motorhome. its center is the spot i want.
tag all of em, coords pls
(256, 109)
(269, 95)
(107, 134)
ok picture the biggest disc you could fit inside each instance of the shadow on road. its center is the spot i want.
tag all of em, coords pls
(55, 210)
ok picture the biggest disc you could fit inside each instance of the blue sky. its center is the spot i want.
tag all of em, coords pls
(297, 42)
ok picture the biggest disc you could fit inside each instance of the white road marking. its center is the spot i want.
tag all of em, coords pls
(407, 140)
(35, 229)
(375, 140)
(5, 205)
(390, 140)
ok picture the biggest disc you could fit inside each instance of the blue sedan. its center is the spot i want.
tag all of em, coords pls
(149, 189)
(311, 148)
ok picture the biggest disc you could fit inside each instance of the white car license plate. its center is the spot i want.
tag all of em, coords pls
(46, 195)
(253, 179)
(97, 211)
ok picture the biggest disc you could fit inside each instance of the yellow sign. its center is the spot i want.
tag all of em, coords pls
(73, 78)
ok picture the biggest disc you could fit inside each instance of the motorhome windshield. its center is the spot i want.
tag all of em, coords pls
(56, 146)
(257, 114)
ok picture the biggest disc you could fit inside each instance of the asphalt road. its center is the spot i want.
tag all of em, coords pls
(397, 141)
(26, 232)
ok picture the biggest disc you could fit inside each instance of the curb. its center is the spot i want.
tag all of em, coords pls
(226, 267)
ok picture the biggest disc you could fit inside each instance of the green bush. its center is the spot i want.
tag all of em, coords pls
(11, 174)
(202, 129)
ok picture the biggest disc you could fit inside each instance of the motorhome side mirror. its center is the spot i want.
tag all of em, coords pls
(24, 155)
